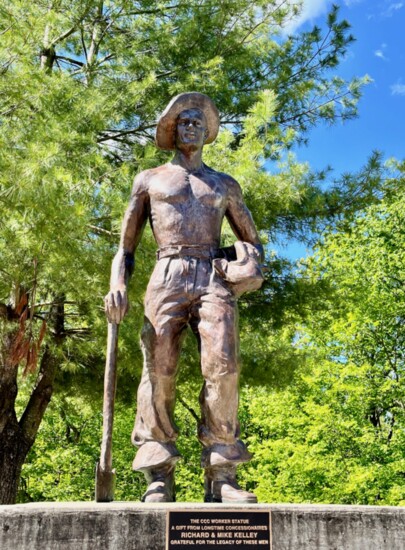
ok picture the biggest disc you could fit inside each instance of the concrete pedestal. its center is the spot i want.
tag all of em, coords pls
(129, 526)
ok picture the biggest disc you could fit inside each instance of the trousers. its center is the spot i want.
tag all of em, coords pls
(182, 291)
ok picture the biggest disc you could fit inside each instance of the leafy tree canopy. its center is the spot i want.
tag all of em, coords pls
(82, 85)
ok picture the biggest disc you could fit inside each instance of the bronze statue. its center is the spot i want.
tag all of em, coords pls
(194, 283)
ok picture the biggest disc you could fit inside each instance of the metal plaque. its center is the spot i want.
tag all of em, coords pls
(218, 529)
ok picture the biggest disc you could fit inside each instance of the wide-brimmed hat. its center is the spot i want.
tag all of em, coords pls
(166, 126)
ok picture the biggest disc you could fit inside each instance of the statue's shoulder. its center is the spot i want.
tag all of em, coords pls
(215, 173)
(143, 179)
(225, 179)
(146, 176)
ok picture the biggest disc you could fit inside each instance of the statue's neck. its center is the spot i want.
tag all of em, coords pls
(189, 160)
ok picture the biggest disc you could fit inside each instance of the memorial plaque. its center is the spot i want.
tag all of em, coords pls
(216, 529)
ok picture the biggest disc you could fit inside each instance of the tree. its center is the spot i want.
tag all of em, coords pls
(366, 331)
(336, 433)
(322, 407)
(82, 84)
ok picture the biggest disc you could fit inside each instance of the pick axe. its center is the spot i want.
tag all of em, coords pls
(105, 475)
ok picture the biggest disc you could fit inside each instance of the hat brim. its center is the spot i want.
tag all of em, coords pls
(166, 126)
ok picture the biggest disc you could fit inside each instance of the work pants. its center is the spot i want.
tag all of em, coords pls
(187, 291)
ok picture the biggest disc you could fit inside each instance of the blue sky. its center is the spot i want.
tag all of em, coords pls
(379, 51)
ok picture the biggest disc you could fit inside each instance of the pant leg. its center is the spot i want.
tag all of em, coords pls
(166, 315)
(215, 323)
(217, 333)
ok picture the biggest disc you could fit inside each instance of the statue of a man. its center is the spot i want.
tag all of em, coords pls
(185, 202)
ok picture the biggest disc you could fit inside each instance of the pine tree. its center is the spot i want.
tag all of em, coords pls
(82, 84)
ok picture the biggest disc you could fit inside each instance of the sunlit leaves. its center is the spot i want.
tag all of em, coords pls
(82, 85)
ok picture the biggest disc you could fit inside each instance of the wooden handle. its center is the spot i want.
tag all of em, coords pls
(110, 384)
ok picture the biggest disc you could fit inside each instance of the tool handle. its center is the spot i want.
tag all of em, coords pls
(110, 384)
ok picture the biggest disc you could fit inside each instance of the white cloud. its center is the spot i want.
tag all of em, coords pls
(398, 89)
(392, 8)
(380, 52)
(309, 11)
(351, 2)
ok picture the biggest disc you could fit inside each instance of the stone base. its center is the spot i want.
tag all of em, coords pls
(130, 526)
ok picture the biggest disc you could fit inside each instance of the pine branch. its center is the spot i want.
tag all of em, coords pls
(190, 409)
(100, 230)
(63, 35)
(313, 110)
(70, 60)
(106, 58)
(6, 30)
(73, 28)
(124, 133)
(95, 42)
(153, 11)
(72, 331)
(83, 43)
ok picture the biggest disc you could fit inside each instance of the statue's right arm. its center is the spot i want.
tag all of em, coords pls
(136, 215)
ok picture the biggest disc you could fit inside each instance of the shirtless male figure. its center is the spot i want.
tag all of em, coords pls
(185, 202)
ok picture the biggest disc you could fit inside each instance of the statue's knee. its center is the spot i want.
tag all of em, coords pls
(225, 375)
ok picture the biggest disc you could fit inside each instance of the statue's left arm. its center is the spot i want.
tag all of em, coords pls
(240, 218)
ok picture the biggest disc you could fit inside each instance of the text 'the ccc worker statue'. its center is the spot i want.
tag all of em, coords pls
(194, 283)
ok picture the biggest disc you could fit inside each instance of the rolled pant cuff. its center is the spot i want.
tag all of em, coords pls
(220, 454)
(154, 454)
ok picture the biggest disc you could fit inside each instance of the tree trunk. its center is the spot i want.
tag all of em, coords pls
(11, 461)
(18, 436)
(10, 469)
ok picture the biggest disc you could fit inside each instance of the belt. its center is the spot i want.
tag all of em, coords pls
(194, 251)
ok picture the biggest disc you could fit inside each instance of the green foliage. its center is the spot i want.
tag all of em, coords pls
(82, 84)
(61, 464)
(336, 434)
(313, 442)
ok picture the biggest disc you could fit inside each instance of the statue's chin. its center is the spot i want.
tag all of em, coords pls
(188, 145)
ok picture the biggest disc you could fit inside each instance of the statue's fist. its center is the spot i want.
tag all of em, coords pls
(116, 305)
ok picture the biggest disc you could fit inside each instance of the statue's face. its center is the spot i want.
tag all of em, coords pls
(191, 128)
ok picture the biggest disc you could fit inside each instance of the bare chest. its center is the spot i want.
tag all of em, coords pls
(189, 190)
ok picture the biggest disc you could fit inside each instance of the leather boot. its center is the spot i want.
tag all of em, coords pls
(160, 484)
(220, 486)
